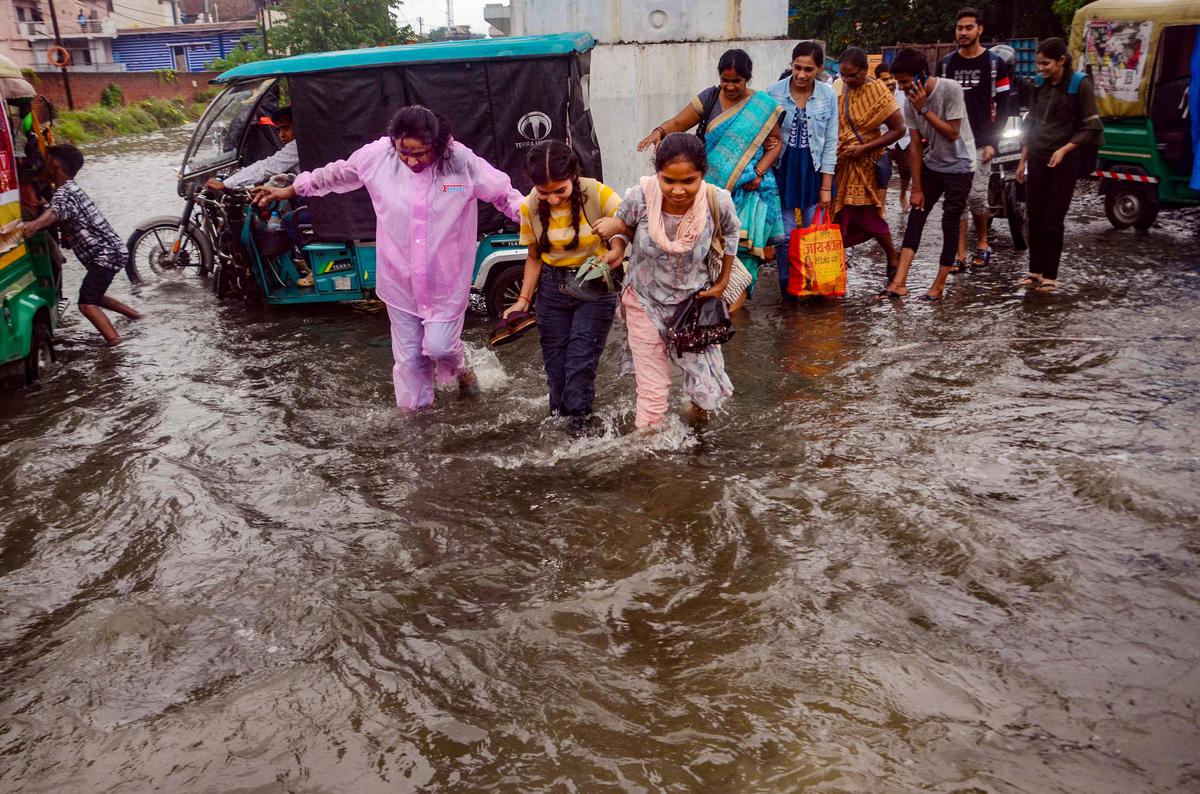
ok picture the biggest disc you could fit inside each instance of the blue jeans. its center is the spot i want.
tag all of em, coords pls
(781, 251)
(573, 333)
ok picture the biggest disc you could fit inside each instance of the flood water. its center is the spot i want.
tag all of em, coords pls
(944, 548)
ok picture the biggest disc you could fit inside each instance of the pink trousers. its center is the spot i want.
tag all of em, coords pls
(651, 363)
(425, 353)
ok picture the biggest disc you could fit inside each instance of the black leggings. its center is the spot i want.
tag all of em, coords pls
(1048, 194)
(956, 187)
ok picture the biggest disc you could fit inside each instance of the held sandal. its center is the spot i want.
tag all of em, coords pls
(959, 266)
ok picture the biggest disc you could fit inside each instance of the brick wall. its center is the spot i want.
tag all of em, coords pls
(87, 86)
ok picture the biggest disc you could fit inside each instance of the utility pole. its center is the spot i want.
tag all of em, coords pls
(420, 28)
(58, 42)
(449, 15)
(264, 16)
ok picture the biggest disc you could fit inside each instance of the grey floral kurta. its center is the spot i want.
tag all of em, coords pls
(661, 281)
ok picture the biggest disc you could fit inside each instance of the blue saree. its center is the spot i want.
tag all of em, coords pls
(734, 141)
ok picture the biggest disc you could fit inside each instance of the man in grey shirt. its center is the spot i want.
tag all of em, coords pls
(936, 115)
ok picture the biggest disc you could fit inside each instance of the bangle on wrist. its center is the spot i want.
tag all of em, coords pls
(660, 129)
(528, 302)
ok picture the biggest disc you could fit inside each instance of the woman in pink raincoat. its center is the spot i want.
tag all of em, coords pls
(423, 185)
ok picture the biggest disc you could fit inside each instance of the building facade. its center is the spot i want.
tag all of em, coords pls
(183, 48)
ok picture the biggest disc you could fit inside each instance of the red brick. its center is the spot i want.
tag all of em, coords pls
(86, 87)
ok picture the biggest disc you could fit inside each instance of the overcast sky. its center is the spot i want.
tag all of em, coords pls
(466, 12)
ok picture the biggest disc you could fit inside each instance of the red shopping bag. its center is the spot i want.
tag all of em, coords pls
(817, 260)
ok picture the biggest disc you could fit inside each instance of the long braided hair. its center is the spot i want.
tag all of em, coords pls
(554, 161)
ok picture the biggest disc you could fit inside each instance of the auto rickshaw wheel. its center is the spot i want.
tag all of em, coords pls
(41, 353)
(504, 287)
(1014, 212)
(1128, 204)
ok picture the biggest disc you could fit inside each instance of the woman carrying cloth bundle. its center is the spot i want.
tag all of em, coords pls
(866, 105)
(672, 218)
(735, 123)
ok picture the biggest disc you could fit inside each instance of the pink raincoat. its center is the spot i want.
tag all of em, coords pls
(425, 229)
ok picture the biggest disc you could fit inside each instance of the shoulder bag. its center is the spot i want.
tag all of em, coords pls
(702, 128)
(739, 277)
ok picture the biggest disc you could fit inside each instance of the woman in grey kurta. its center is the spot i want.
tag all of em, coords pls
(659, 280)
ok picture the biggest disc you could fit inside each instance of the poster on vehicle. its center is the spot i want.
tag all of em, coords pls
(1117, 53)
(10, 197)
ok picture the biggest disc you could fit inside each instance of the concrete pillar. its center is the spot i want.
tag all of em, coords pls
(653, 56)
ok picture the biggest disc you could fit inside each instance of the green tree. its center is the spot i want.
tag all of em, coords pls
(874, 24)
(1066, 9)
(322, 25)
(240, 54)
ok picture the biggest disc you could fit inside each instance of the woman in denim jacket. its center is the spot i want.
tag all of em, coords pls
(810, 139)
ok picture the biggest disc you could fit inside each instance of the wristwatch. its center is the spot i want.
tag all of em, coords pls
(923, 110)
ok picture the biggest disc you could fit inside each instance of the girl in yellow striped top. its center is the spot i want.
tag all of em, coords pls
(565, 219)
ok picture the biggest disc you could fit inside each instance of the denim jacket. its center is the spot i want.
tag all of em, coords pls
(822, 111)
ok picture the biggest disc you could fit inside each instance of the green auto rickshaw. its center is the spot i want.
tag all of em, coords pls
(1139, 54)
(28, 279)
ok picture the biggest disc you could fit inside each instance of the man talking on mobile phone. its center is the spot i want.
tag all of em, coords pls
(937, 115)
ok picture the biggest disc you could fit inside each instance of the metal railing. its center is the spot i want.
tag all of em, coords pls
(68, 28)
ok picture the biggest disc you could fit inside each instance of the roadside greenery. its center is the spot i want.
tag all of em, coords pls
(100, 122)
(240, 54)
(874, 24)
(113, 96)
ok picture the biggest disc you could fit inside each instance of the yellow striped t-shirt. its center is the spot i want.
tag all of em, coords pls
(561, 231)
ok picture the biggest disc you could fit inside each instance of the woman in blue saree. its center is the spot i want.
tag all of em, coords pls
(735, 122)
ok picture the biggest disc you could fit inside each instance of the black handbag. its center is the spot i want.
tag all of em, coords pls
(883, 166)
(698, 323)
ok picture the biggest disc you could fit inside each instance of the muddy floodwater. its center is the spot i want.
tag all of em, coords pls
(949, 547)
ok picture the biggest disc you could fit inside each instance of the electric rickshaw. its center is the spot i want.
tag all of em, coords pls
(502, 96)
(1140, 54)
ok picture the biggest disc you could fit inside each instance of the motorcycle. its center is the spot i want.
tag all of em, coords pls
(204, 242)
(1006, 196)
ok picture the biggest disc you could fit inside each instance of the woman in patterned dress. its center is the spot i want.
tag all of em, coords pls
(671, 225)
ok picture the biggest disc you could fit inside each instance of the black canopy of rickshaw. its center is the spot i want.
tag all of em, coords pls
(492, 104)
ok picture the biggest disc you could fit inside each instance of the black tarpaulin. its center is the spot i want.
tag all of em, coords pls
(500, 109)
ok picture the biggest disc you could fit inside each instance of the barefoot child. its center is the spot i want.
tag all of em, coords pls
(89, 235)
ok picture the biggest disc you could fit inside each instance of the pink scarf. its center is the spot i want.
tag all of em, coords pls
(690, 225)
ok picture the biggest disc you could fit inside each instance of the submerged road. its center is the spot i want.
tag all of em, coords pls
(943, 548)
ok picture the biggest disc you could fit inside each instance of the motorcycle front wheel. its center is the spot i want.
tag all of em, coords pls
(1014, 210)
(158, 253)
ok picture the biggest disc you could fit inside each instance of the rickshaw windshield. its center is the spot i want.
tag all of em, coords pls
(219, 132)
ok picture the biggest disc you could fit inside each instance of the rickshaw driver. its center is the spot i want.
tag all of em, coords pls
(423, 185)
(286, 160)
